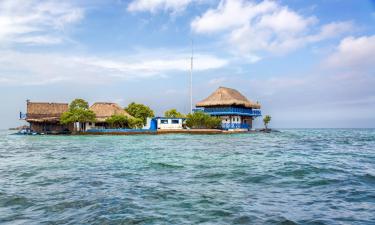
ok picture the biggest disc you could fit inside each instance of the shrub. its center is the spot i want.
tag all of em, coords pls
(136, 123)
(201, 120)
(121, 121)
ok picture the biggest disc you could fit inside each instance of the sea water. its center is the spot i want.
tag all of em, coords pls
(299, 176)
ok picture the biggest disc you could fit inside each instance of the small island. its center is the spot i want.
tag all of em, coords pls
(226, 110)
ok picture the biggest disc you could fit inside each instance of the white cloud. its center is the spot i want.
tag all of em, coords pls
(36, 22)
(40, 40)
(155, 5)
(254, 29)
(230, 14)
(331, 30)
(155, 65)
(18, 68)
(285, 21)
(354, 53)
(218, 81)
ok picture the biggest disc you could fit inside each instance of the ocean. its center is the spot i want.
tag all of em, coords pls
(296, 176)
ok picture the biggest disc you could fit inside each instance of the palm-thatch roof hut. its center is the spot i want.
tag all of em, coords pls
(234, 109)
(44, 117)
(104, 110)
(45, 111)
(227, 97)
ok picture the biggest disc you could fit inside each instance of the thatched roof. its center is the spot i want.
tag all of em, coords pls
(104, 110)
(45, 111)
(227, 97)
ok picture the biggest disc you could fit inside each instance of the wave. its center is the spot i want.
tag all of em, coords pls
(162, 165)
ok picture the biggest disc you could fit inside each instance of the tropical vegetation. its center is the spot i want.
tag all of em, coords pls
(173, 113)
(78, 112)
(122, 121)
(266, 121)
(140, 111)
(201, 120)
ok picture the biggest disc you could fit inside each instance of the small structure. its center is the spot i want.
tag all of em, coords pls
(167, 123)
(235, 110)
(104, 110)
(44, 117)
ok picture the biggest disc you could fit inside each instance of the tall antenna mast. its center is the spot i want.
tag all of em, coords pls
(191, 76)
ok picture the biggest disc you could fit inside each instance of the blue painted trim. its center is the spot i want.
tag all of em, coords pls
(233, 114)
(154, 124)
(119, 130)
(166, 118)
(221, 111)
(23, 116)
(227, 126)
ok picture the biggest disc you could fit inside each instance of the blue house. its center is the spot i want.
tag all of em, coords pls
(234, 109)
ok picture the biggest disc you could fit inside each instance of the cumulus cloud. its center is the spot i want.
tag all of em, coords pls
(230, 14)
(354, 53)
(155, 5)
(331, 30)
(19, 68)
(264, 27)
(35, 21)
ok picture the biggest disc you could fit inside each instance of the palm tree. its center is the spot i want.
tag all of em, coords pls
(266, 121)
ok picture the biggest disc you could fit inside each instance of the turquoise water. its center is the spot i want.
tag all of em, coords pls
(306, 176)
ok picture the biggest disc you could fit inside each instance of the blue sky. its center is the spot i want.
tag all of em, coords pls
(309, 63)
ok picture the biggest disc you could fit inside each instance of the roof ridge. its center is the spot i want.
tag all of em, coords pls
(107, 103)
(227, 96)
(59, 103)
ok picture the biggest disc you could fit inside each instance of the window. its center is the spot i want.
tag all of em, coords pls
(175, 121)
(164, 121)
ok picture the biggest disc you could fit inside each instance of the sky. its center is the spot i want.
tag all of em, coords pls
(311, 64)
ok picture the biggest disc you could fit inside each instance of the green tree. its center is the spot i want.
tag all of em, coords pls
(136, 123)
(266, 121)
(173, 113)
(201, 120)
(121, 121)
(118, 121)
(78, 112)
(140, 111)
(78, 103)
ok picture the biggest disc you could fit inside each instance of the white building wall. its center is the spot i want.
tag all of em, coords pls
(225, 119)
(166, 124)
(93, 126)
(148, 123)
(231, 119)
